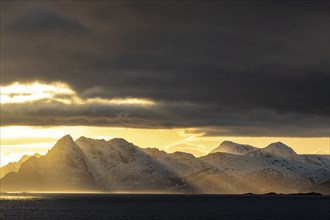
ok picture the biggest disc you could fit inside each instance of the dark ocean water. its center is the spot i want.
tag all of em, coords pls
(185, 207)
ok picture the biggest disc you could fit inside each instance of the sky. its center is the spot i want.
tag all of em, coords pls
(176, 75)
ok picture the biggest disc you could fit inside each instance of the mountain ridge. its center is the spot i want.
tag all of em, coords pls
(14, 166)
(117, 165)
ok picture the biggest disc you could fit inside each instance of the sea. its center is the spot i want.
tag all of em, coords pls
(162, 206)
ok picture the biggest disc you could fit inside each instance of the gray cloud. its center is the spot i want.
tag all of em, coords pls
(45, 20)
(225, 121)
(252, 67)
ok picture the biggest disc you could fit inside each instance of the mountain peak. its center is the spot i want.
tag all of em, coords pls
(82, 138)
(25, 157)
(36, 155)
(233, 148)
(120, 141)
(280, 149)
(278, 143)
(66, 138)
(65, 142)
(227, 142)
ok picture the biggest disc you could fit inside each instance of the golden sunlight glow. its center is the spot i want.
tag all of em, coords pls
(126, 101)
(17, 141)
(17, 196)
(19, 93)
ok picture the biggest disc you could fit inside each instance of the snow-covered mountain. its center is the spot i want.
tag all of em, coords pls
(117, 165)
(234, 148)
(280, 150)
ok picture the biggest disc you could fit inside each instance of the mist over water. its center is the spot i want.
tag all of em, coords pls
(165, 206)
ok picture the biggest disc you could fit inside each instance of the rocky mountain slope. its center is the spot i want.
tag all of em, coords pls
(117, 165)
(14, 166)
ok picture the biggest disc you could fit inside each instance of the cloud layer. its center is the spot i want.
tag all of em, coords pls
(235, 68)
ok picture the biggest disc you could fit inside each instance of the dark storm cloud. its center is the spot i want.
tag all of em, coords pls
(254, 67)
(43, 20)
(226, 121)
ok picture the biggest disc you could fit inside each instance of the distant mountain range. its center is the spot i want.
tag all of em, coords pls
(119, 166)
